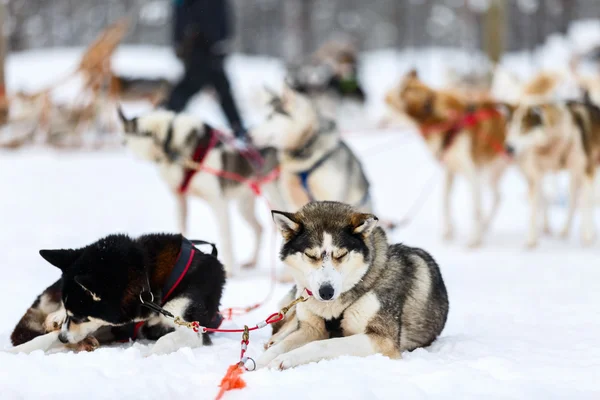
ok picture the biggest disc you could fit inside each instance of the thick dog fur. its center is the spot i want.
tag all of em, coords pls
(307, 142)
(558, 136)
(146, 137)
(368, 296)
(471, 151)
(97, 298)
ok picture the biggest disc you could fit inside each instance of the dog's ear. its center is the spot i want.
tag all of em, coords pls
(62, 259)
(413, 73)
(287, 223)
(129, 125)
(363, 224)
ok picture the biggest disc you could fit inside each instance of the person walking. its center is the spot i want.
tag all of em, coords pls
(200, 30)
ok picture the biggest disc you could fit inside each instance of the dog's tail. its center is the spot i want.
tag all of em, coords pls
(31, 324)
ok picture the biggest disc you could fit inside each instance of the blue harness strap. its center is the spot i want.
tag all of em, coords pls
(304, 175)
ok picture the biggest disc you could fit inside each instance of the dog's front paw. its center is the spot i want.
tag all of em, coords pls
(88, 344)
(267, 357)
(448, 234)
(249, 264)
(55, 320)
(588, 237)
(531, 243)
(284, 361)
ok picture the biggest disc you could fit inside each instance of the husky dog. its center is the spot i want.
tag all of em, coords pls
(559, 136)
(316, 164)
(468, 148)
(330, 77)
(101, 294)
(365, 295)
(166, 137)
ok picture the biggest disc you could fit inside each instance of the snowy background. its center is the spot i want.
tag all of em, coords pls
(523, 324)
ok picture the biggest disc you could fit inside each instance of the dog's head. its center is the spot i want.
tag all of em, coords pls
(327, 245)
(532, 127)
(290, 118)
(101, 284)
(412, 97)
(156, 133)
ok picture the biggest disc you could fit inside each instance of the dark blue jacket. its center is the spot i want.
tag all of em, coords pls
(206, 21)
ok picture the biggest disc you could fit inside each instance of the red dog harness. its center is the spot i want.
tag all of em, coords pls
(200, 153)
(455, 125)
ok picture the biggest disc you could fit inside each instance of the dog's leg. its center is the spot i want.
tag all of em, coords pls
(476, 236)
(222, 213)
(448, 232)
(495, 178)
(534, 202)
(308, 331)
(177, 336)
(246, 205)
(290, 325)
(574, 186)
(588, 231)
(182, 212)
(360, 345)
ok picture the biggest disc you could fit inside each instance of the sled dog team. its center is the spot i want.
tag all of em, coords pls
(365, 295)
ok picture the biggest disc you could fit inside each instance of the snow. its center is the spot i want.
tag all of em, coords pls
(523, 324)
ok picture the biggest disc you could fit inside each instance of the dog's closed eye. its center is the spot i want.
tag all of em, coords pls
(79, 320)
(340, 255)
(311, 257)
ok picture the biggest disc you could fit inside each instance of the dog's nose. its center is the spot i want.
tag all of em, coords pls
(326, 292)
(63, 338)
(510, 150)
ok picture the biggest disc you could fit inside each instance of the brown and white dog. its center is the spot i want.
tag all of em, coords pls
(467, 138)
(560, 136)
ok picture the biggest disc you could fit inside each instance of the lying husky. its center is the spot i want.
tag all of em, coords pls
(167, 138)
(100, 295)
(366, 296)
(468, 139)
(561, 136)
(316, 164)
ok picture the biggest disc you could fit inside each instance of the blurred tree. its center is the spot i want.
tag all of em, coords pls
(494, 30)
(3, 100)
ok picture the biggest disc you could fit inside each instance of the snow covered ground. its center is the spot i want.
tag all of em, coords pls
(523, 324)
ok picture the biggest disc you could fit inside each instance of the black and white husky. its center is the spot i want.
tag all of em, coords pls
(316, 163)
(365, 295)
(166, 138)
(101, 293)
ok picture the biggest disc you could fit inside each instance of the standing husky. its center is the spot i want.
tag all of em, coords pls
(166, 137)
(561, 136)
(468, 148)
(316, 164)
(100, 295)
(366, 296)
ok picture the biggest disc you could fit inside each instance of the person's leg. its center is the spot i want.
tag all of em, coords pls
(194, 79)
(223, 88)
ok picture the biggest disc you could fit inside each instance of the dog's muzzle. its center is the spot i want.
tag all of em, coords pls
(326, 292)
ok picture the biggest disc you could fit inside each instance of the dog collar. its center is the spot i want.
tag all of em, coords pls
(180, 269)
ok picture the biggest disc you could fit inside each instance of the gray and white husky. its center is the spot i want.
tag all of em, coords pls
(366, 296)
(168, 138)
(316, 164)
